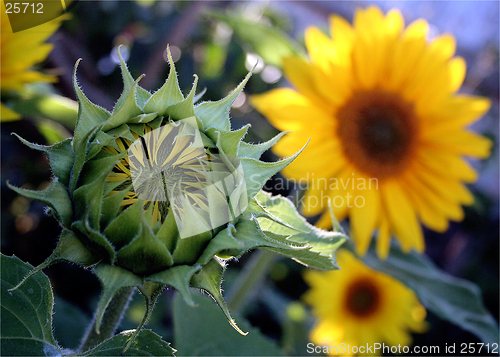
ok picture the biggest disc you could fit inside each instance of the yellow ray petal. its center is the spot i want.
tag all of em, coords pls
(430, 191)
(383, 237)
(461, 142)
(430, 216)
(8, 114)
(301, 74)
(456, 113)
(446, 164)
(287, 109)
(342, 38)
(402, 216)
(320, 49)
(364, 217)
(457, 68)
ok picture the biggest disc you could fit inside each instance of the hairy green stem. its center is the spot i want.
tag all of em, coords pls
(110, 321)
(248, 281)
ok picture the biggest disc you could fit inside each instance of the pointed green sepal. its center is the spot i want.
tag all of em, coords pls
(94, 240)
(88, 200)
(60, 155)
(122, 229)
(142, 95)
(113, 279)
(150, 291)
(216, 114)
(80, 149)
(229, 141)
(125, 108)
(55, 196)
(111, 207)
(185, 108)
(143, 118)
(177, 277)
(224, 240)
(168, 233)
(258, 172)
(145, 254)
(89, 114)
(69, 249)
(188, 249)
(103, 139)
(168, 94)
(209, 279)
(255, 151)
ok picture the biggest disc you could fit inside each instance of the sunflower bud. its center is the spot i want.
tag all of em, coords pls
(161, 192)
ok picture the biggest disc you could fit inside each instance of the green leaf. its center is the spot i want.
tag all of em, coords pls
(70, 322)
(456, 300)
(323, 244)
(249, 232)
(268, 42)
(203, 331)
(147, 343)
(26, 322)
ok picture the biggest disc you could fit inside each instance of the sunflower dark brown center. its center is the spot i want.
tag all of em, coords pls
(362, 298)
(378, 131)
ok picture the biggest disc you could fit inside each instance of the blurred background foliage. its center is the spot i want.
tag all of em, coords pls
(221, 41)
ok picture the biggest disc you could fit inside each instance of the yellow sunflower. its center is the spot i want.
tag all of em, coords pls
(387, 127)
(358, 306)
(19, 51)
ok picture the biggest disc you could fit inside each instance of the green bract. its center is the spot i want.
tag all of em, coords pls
(160, 192)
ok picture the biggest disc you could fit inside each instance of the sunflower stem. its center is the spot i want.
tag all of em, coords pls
(110, 321)
(248, 281)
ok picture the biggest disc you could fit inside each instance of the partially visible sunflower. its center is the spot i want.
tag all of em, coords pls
(360, 307)
(387, 127)
(19, 51)
(169, 168)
